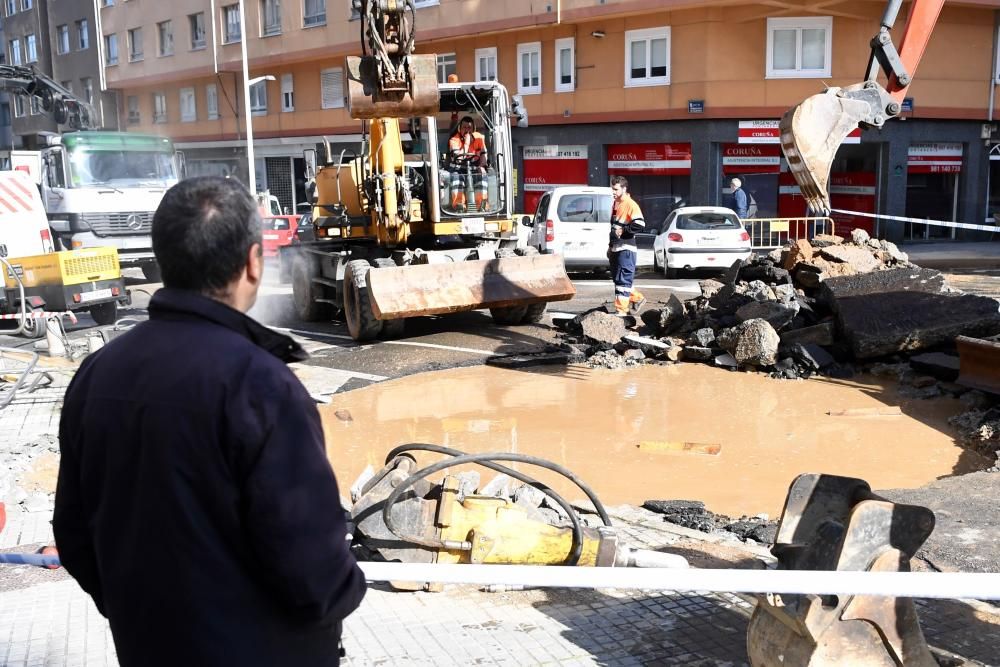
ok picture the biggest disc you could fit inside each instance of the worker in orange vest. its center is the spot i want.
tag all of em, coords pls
(467, 150)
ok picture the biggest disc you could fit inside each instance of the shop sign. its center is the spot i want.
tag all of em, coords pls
(767, 132)
(934, 158)
(751, 158)
(551, 166)
(654, 159)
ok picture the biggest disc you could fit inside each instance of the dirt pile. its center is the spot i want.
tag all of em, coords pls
(693, 514)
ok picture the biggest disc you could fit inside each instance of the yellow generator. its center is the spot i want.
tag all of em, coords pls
(86, 279)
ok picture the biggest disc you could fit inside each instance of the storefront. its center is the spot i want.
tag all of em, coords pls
(659, 176)
(933, 171)
(550, 166)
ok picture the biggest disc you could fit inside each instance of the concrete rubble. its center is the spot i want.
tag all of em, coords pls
(693, 514)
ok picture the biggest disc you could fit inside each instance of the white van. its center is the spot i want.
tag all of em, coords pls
(24, 227)
(574, 221)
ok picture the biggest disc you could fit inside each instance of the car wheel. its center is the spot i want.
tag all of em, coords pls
(669, 273)
(105, 313)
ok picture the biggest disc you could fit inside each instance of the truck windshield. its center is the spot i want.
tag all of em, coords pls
(120, 167)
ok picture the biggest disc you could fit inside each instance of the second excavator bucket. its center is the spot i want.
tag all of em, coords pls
(434, 289)
(811, 133)
(368, 98)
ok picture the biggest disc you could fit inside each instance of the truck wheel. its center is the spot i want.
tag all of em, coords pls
(534, 312)
(361, 322)
(34, 327)
(391, 329)
(305, 293)
(152, 272)
(105, 313)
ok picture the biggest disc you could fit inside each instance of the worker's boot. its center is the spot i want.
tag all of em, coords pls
(636, 301)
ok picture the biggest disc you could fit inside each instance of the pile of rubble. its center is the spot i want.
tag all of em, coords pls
(693, 514)
(810, 307)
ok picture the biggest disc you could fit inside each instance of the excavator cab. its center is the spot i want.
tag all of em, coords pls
(812, 131)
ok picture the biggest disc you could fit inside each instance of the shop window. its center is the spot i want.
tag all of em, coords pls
(647, 57)
(799, 47)
(446, 64)
(486, 64)
(529, 68)
(565, 65)
(332, 88)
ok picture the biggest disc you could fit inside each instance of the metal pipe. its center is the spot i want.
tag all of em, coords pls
(251, 165)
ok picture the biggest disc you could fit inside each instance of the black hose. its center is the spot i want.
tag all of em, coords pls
(486, 460)
(533, 460)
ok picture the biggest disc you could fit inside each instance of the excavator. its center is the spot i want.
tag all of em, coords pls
(402, 231)
(52, 97)
(812, 131)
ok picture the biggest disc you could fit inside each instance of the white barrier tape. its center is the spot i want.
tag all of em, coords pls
(40, 315)
(945, 585)
(921, 221)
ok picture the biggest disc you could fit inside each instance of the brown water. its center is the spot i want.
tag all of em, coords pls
(594, 421)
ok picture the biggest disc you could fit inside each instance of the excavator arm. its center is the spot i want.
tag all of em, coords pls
(812, 131)
(65, 108)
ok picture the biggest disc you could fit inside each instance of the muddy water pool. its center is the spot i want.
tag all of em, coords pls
(624, 432)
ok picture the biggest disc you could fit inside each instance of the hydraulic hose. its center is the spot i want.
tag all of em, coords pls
(486, 460)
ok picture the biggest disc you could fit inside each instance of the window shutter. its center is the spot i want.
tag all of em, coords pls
(332, 85)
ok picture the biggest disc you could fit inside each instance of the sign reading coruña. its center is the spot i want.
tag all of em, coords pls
(767, 132)
(656, 159)
(751, 159)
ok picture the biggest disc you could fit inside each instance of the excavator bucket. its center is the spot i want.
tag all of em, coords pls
(368, 97)
(979, 363)
(811, 133)
(433, 289)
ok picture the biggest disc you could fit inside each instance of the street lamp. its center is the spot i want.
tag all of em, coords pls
(247, 82)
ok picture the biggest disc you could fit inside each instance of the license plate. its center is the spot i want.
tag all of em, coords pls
(271, 237)
(473, 225)
(95, 295)
(708, 240)
(141, 242)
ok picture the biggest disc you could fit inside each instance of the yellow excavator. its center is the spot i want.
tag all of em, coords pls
(402, 229)
(812, 131)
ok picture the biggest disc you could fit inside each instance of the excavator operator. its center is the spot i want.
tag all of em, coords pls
(467, 153)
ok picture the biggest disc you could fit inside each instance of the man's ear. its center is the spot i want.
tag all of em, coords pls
(255, 263)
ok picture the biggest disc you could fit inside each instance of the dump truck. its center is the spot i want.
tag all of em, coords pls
(812, 131)
(392, 239)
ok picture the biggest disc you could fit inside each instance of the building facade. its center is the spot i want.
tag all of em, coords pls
(678, 95)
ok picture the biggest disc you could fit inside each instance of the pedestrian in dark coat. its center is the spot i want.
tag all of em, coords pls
(195, 502)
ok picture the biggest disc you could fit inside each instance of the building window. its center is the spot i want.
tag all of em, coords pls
(165, 30)
(486, 64)
(18, 106)
(135, 44)
(15, 52)
(447, 64)
(197, 24)
(258, 98)
(799, 47)
(5, 113)
(133, 110)
(27, 4)
(82, 35)
(30, 49)
(529, 68)
(88, 89)
(11, 7)
(565, 65)
(287, 93)
(315, 13)
(189, 111)
(231, 23)
(647, 57)
(212, 101)
(107, 3)
(36, 108)
(62, 39)
(331, 83)
(111, 48)
(270, 16)
(159, 108)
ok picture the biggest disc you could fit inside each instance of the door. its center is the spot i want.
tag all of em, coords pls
(538, 232)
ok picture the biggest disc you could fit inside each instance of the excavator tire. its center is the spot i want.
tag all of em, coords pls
(534, 312)
(510, 315)
(361, 321)
(305, 293)
(391, 329)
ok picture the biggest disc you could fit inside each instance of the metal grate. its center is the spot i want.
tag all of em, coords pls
(89, 266)
(279, 180)
(129, 222)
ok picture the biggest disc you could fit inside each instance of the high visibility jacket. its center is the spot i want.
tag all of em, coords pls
(471, 144)
(627, 215)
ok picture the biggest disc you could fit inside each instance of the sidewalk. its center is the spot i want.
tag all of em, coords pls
(954, 255)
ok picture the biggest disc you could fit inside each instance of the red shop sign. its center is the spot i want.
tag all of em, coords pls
(751, 158)
(655, 159)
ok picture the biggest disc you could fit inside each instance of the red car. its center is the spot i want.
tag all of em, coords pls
(279, 230)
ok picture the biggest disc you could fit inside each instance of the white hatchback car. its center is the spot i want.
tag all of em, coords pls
(697, 237)
(574, 221)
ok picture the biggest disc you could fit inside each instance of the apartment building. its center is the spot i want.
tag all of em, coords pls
(678, 95)
(56, 38)
(7, 135)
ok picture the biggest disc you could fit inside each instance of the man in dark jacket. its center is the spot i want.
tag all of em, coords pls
(740, 200)
(195, 503)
